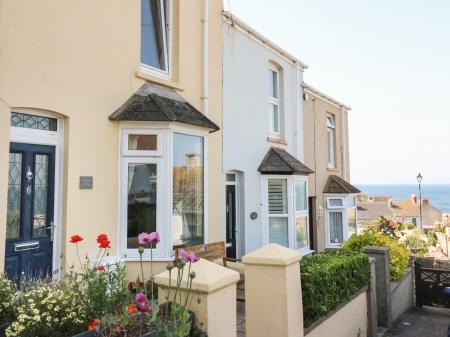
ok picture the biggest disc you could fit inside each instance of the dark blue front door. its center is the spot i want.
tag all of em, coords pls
(29, 224)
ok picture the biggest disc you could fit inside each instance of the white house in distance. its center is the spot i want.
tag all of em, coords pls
(266, 180)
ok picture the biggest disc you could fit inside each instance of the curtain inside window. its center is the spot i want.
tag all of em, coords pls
(278, 231)
(336, 227)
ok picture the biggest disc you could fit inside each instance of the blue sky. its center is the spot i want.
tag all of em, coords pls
(389, 60)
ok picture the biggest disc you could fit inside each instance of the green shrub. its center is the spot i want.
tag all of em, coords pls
(49, 311)
(329, 279)
(398, 254)
(7, 293)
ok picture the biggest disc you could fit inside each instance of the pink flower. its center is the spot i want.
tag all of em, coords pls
(148, 238)
(142, 302)
(188, 257)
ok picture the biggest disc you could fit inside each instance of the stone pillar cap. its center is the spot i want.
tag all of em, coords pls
(375, 249)
(272, 255)
(209, 277)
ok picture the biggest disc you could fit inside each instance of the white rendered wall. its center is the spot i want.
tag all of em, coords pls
(246, 120)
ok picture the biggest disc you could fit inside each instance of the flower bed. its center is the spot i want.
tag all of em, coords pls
(330, 279)
(96, 300)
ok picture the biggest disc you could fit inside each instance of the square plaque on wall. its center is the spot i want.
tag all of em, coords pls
(86, 182)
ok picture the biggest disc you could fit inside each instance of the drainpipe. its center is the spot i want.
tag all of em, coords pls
(298, 120)
(343, 145)
(205, 57)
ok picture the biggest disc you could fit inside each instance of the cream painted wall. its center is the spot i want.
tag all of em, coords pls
(316, 154)
(80, 59)
(348, 321)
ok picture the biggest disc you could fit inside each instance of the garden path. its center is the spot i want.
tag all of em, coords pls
(426, 322)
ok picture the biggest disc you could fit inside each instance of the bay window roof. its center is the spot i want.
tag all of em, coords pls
(157, 103)
(279, 161)
(337, 185)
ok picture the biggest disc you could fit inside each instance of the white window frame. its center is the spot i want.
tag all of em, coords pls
(301, 214)
(335, 207)
(275, 101)
(165, 131)
(142, 153)
(167, 40)
(331, 141)
(292, 214)
(160, 196)
(339, 209)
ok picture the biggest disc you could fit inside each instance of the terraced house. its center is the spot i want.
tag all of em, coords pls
(110, 117)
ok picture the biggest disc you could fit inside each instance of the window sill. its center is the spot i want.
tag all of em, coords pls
(306, 252)
(147, 259)
(155, 79)
(277, 140)
(332, 169)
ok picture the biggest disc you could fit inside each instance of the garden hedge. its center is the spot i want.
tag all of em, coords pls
(329, 279)
(398, 254)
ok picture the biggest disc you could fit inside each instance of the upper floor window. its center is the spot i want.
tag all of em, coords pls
(274, 102)
(154, 34)
(330, 140)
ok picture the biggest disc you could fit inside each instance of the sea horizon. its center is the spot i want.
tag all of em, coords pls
(437, 194)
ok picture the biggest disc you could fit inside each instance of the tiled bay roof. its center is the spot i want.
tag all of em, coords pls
(157, 103)
(337, 185)
(278, 161)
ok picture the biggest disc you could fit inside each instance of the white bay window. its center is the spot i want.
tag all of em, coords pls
(162, 189)
(341, 218)
(286, 211)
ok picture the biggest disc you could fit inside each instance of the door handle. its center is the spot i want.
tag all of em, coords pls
(52, 229)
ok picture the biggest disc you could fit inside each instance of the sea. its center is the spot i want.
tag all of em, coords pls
(438, 195)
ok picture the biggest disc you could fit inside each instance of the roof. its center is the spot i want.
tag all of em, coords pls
(278, 161)
(325, 97)
(251, 31)
(157, 103)
(411, 208)
(337, 185)
(371, 208)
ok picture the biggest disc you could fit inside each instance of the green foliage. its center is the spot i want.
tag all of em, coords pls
(330, 279)
(398, 254)
(417, 242)
(49, 311)
(432, 238)
(102, 291)
(7, 293)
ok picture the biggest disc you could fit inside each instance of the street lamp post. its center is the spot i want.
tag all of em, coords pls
(419, 180)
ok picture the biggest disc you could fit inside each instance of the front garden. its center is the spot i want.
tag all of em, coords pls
(330, 279)
(95, 299)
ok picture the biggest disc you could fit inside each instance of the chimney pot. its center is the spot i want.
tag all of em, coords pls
(413, 199)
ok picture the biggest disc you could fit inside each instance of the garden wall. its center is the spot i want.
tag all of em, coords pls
(402, 294)
(348, 320)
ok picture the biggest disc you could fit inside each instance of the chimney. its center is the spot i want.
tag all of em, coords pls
(413, 199)
(390, 202)
(425, 201)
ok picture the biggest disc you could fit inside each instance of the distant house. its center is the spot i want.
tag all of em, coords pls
(370, 208)
(409, 211)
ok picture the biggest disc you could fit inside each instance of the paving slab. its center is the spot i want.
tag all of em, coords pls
(426, 322)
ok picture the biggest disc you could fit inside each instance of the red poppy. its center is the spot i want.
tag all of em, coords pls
(100, 268)
(92, 324)
(104, 244)
(102, 237)
(132, 309)
(75, 239)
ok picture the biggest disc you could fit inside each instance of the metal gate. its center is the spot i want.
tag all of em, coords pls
(430, 285)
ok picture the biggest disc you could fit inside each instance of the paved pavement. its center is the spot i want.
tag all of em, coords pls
(427, 322)
(240, 319)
